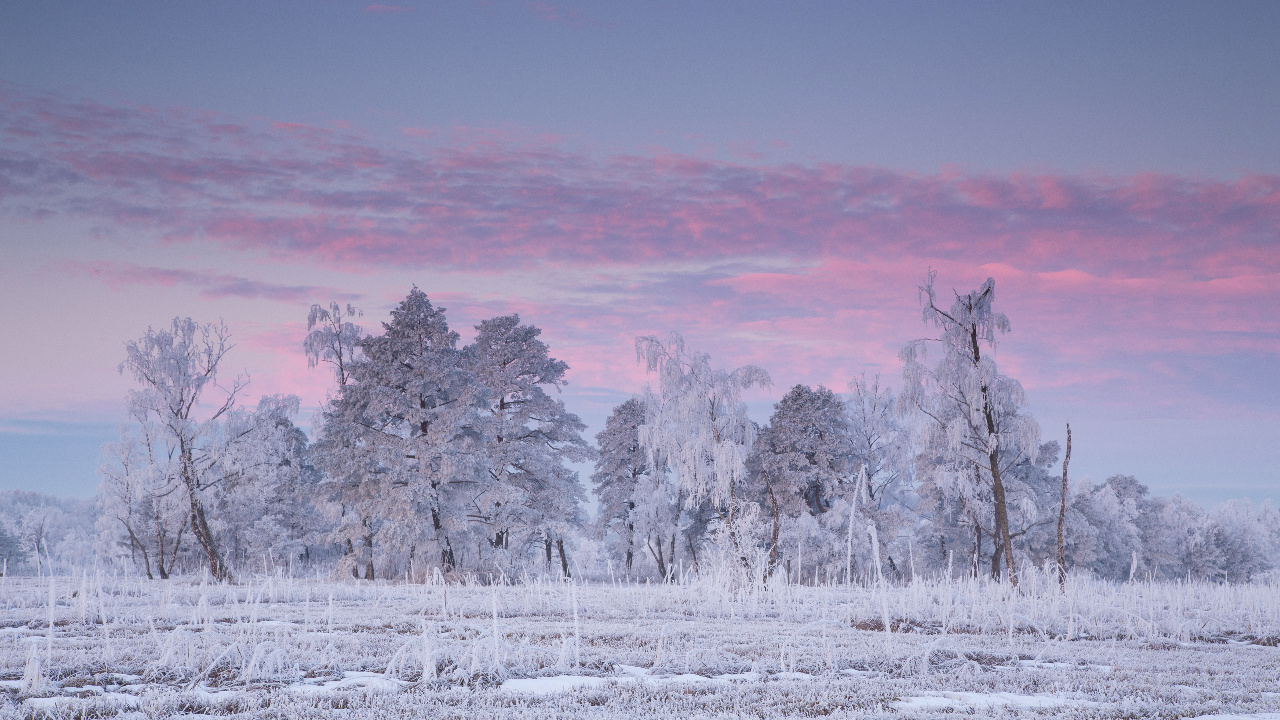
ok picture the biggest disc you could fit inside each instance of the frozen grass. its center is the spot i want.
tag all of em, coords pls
(701, 647)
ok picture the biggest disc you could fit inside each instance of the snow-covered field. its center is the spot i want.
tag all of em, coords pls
(89, 646)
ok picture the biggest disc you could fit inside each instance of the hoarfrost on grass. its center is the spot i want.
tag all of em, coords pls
(690, 648)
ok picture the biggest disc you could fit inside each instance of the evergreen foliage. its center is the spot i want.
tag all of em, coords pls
(434, 458)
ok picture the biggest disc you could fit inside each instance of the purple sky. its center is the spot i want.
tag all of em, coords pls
(772, 181)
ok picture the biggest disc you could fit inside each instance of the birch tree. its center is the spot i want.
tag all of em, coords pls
(177, 367)
(972, 417)
(228, 476)
(348, 487)
(696, 423)
(333, 339)
(144, 507)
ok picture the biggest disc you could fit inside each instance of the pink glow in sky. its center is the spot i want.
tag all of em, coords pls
(1135, 298)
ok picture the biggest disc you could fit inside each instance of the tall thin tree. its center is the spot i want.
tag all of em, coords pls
(1062, 518)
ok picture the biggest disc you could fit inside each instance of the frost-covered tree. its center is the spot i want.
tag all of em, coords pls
(333, 339)
(882, 450)
(176, 366)
(1174, 535)
(1118, 531)
(1114, 538)
(972, 427)
(458, 455)
(145, 509)
(349, 487)
(640, 509)
(801, 464)
(1234, 543)
(1247, 539)
(527, 494)
(265, 508)
(223, 473)
(399, 447)
(696, 423)
(880, 444)
(620, 463)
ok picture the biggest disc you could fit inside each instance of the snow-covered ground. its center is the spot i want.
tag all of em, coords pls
(88, 646)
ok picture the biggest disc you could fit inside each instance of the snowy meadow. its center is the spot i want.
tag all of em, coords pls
(425, 551)
(88, 645)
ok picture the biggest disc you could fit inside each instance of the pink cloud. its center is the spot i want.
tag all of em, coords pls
(494, 200)
(808, 270)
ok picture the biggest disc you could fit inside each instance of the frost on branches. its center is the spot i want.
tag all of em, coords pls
(443, 457)
(971, 426)
(185, 468)
(697, 424)
(434, 460)
(640, 502)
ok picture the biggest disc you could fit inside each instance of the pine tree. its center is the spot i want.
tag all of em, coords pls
(527, 493)
(801, 459)
(399, 447)
(640, 506)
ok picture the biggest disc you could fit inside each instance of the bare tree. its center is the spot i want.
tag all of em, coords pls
(175, 367)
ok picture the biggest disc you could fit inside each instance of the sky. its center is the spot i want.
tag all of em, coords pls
(773, 181)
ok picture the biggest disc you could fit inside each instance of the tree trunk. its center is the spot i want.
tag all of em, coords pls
(146, 561)
(164, 574)
(564, 559)
(993, 457)
(1002, 518)
(656, 552)
(977, 549)
(446, 555)
(446, 548)
(167, 570)
(177, 546)
(727, 519)
(631, 544)
(773, 538)
(200, 526)
(1062, 519)
(675, 528)
(367, 553)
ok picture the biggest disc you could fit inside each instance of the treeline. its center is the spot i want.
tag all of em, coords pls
(38, 531)
(429, 457)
